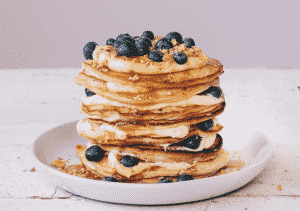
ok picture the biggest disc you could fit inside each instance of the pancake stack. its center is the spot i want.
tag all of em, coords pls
(150, 105)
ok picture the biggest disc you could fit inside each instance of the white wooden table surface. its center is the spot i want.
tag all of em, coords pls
(35, 100)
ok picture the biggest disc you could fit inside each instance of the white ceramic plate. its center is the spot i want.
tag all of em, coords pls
(61, 142)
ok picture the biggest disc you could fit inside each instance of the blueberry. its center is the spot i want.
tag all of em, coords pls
(129, 161)
(127, 49)
(155, 56)
(125, 39)
(117, 43)
(89, 92)
(213, 90)
(88, 50)
(192, 142)
(189, 42)
(206, 125)
(165, 180)
(148, 34)
(185, 177)
(180, 57)
(163, 43)
(142, 47)
(147, 40)
(94, 153)
(176, 36)
(122, 36)
(109, 179)
(110, 41)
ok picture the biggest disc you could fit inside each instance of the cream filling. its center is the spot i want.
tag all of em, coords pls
(194, 100)
(206, 142)
(101, 131)
(123, 88)
(113, 158)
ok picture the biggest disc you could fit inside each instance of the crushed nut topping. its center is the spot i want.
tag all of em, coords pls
(59, 163)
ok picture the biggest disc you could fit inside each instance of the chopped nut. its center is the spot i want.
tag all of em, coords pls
(59, 163)
(182, 48)
(134, 78)
(279, 188)
(164, 51)
(176, 48)
(174, 42)
(33, 169)
(222, 172)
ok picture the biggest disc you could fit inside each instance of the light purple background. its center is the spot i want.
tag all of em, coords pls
(51, 34)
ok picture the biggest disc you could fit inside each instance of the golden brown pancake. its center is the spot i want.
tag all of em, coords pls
(148, 110)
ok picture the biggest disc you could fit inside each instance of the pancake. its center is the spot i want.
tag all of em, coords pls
(148, 154)
(106, 167)
(163, 114)
(145, 98)
(190, 77)
(192, 118)
(152, 110)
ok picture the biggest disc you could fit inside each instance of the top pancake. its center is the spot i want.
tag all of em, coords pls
(106, 55)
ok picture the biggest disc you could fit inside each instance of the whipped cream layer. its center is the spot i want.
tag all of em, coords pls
(194, 100)
(106, 131)
(206, 142)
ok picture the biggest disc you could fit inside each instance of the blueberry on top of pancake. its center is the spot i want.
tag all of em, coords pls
(189, 42)
(88, 50)
(127, 49)
(121, 36)
(175, 36)
(142, 47)
(148, 34)
(155, 56)
(163, 43)
(145, 39)
(110, 41)
(180, 57)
